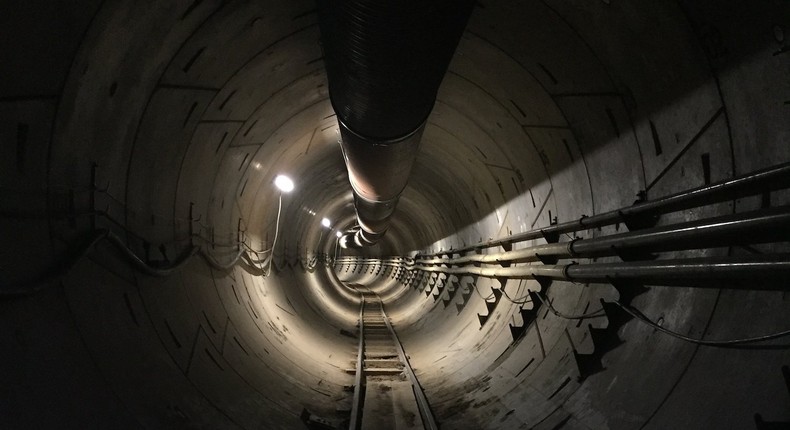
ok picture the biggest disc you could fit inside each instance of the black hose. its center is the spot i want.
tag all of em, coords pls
(385, 60)
(145, 267)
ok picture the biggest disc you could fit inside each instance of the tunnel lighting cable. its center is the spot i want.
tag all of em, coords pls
(30, 287)
(490, 296)
(636, 313)
(276, 232)
(523, 300)
(47, 279)
(34, 286)
(519, 301)
(227, 266)
(597, 313)
(81, 250)
(256, 252)
(285, 185)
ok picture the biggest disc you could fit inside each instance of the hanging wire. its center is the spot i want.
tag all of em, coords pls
(276, 232)
(636, 313)
(520, 301)
(596, 313)
(490, 296)
(244, 249)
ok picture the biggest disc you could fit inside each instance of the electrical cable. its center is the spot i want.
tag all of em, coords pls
(520, 301)
(490, 296)
(636, 313)
(145, 267)
(276, 232)
(257, 254)
(249, 248)
(217, 265)
(597, 313)
(33, 286)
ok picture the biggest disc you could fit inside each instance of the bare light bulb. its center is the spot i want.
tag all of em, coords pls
(284, 183)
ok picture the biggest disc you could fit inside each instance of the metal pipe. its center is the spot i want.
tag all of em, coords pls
(764, 267)
(738, 229)
(552, 272)
(765, 180)
(662, 272)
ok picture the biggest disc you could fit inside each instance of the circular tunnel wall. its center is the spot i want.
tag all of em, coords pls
(166, 124)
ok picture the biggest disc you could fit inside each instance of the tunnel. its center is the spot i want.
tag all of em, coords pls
(153, 276)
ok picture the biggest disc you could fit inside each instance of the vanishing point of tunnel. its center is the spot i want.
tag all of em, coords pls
(325, 214)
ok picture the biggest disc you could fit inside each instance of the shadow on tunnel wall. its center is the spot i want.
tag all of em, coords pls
(576, 120)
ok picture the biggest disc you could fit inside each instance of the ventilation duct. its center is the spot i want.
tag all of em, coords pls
(385, 61)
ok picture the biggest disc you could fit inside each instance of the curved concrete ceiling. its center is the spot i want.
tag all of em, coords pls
(182, 113)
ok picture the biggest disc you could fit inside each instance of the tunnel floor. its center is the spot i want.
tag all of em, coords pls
(387, 394)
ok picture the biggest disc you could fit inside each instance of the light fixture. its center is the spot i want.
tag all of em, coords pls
(284, 183)
(326, 223)
(339, 234)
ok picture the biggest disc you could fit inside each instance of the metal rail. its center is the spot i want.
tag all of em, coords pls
(381, 361)
(422, 402)
(356, 410)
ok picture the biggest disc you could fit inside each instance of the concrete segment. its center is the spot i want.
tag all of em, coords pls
(550, 111)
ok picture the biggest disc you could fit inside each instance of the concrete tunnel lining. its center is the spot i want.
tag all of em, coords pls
(549, 109)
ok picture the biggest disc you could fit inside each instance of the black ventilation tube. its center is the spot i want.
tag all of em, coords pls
(385, 60)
